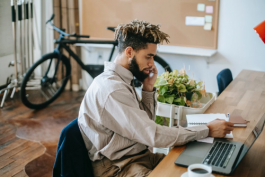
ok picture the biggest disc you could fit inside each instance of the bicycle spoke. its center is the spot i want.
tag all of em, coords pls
(47, 98)
(53, 89)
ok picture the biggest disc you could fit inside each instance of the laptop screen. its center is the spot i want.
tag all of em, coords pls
(252, 138)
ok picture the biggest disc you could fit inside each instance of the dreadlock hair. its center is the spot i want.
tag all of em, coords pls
(137, 34)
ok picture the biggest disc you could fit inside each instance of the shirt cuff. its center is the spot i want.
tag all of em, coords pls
(202, 131)
(148, 96)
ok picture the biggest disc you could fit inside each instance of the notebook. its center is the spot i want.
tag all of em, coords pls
(238, 121)
(203, 119)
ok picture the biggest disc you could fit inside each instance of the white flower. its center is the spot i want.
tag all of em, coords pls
(191, 82)
(182, 72)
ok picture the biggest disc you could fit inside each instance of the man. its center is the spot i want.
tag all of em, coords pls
(117, 126)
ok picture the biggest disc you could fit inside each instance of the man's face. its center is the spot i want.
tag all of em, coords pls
(143, 62)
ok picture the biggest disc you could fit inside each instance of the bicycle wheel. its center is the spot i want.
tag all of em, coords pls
(161, 66)
(45, 81)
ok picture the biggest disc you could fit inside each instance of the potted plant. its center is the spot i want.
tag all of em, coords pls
(178, 88)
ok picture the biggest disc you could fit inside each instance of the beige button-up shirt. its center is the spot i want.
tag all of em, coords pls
(114, 122)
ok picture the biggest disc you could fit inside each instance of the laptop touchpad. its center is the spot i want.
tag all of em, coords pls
(197, 149)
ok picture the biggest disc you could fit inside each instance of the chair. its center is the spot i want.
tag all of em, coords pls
(223, 79)
(172, 112)
(72, 156)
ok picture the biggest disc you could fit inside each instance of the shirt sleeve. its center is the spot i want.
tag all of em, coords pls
(122, 115)
(149, 103)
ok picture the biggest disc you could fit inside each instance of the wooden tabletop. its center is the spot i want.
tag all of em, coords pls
(244, 96)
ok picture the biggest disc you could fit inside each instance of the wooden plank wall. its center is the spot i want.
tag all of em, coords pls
(67, 17)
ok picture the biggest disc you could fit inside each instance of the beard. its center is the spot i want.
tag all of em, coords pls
(134, 68)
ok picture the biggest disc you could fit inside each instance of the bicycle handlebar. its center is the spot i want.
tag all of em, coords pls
(62, 32)
(50, 18)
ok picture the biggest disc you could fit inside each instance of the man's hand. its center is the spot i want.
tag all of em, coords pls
(149, 82)
(219, 128)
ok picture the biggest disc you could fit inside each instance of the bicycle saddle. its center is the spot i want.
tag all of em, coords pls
(111, 28)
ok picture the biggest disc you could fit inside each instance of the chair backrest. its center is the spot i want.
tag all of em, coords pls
(223, 79)
(72, 156)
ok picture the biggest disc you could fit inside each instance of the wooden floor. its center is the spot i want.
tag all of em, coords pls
(16, 153)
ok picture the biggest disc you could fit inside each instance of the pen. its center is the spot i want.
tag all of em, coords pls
(227, 115)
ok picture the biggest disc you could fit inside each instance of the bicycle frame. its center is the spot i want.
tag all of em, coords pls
(93, 70)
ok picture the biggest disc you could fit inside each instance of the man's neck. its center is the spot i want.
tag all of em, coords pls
(122, 60)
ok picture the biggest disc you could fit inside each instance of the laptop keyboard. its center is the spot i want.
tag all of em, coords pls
(220, 154)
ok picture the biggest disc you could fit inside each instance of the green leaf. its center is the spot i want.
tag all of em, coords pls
(175, 72)
(182, 86)
(156, 82)
(200, 83)
(177, 100)
(177, 85)
(199, 95)
(161, 99)
(210, 94)
(170, 89)
(189, 87)
(159, 120)
(167, 121)
(162, 120)
(163, 90)
(183, 90)
(182, 102)
(170, 99)
(186, 76)
(161, 82)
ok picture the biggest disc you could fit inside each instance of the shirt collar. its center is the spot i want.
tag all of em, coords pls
(124, 73)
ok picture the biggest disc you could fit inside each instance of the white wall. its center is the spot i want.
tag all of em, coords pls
(239, 47)
(43, 35)
(6, 48)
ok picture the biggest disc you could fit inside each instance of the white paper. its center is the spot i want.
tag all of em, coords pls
(209, 9)
(203, 118)
(211, 139)
(230, 135)
(207, 26)
(208, 18)
(201, 7)
(207, 140)
(194, 21)
(206, 118)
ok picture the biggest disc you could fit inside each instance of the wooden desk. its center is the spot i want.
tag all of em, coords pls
(245, 96)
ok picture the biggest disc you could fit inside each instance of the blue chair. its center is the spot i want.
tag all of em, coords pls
(72, 156)
(223, 79)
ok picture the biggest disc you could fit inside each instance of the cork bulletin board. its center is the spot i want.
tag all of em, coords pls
(171, 14)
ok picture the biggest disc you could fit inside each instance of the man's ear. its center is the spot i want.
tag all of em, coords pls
(129, 52)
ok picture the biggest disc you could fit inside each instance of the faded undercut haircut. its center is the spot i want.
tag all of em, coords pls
(137, 34)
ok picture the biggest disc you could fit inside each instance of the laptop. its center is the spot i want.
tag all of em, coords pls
(223, 155)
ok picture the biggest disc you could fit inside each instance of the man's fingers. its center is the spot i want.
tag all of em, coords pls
(220, 119)
(227, 132)
(230, 124)
(229, 128)
(154, 69)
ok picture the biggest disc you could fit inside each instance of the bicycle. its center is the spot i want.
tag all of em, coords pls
(46, 79)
